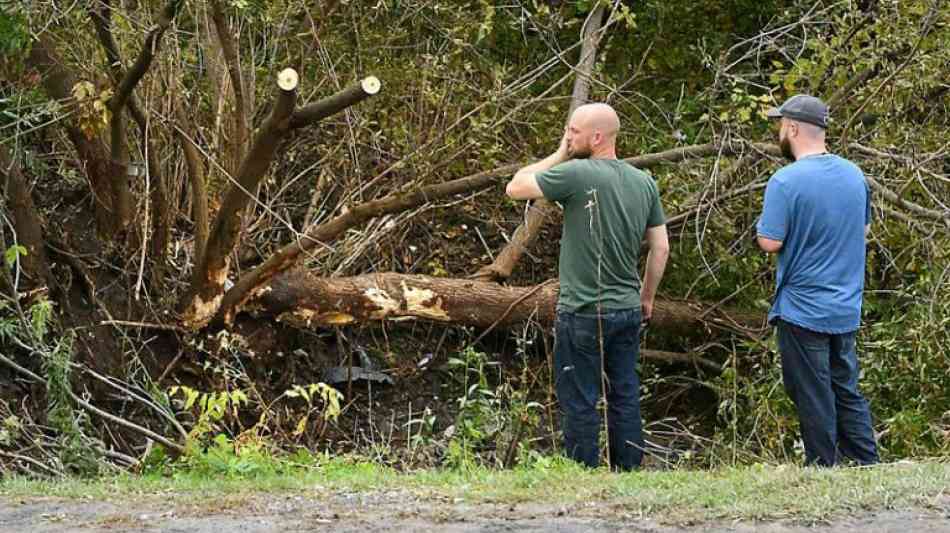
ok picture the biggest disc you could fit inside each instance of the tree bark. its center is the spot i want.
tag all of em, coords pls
(325, 107)
(199, 188)
(303, 298)
(26, 220)
(92, 154)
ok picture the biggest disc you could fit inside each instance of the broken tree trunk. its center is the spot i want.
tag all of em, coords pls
(541, 209)
(305, 299)
(207, 289)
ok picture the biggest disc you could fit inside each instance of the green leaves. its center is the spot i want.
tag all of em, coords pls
(13, 253)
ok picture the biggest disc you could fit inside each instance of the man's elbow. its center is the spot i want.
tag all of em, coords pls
(512, 190)
(768, 245)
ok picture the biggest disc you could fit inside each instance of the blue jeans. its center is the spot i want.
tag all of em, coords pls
(582, 342)
(820, 371)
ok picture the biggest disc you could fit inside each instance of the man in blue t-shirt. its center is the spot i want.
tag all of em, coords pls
(816, 216)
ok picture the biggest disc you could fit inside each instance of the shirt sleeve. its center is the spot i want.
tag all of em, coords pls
(867, 206)
(773, 224)
(657, 217)
(559, 183)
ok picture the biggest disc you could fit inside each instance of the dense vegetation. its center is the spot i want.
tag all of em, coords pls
(104, 362)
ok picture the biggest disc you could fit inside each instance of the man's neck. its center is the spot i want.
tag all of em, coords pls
(606, 154)
(810, 151)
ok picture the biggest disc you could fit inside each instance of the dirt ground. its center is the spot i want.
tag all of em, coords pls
(392, 511)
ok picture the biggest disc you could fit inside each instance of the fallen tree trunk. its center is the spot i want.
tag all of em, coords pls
(308, 300)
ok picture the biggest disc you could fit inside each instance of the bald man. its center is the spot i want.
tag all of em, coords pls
(609, 208)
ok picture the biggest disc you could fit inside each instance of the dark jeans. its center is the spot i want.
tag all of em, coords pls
(581, 344)
(821, 376)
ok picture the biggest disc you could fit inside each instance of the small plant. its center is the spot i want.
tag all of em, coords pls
(329, 397)
(211, 408)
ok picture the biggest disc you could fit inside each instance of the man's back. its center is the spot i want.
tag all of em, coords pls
(818, 207)
(608, 204)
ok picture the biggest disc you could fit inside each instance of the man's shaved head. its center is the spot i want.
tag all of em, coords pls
(593, 130)
(599, 117)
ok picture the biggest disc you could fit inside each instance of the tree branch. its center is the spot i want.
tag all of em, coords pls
(123, 93)
(354, 94)
(207, 284)
(233, 63)
(199, 189)
(92, 154)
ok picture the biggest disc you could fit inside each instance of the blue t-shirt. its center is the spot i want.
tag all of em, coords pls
(818, 207)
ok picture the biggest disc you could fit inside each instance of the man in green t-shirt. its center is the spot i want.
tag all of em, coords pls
(610, 207)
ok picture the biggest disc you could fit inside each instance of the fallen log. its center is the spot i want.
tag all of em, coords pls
(309, 300)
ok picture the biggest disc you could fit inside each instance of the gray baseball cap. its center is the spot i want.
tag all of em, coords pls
(803, 107)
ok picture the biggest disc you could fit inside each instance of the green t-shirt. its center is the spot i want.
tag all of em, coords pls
(608, 205)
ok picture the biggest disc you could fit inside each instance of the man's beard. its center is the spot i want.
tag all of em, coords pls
(786, 147)
(576, 153)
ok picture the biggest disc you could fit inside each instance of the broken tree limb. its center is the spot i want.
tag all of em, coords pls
(318, 236)
(305, 299)
(354, 94)
(542, 209)
(204, 298)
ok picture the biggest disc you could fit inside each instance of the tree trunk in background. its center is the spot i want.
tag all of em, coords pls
(26, 221)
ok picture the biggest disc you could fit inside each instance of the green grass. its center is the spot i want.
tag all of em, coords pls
(749, 492)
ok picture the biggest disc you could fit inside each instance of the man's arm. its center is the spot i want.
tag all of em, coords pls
(659, 244)
(524, 186)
